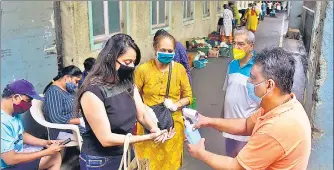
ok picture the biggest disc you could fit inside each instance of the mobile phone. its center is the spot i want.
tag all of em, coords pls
(66, 141)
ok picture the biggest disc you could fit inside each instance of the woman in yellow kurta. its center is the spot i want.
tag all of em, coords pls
(151, 79)
(252, 16)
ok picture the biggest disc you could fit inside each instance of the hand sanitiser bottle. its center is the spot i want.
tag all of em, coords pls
(193, 136)
(190, 114)
(190, 118)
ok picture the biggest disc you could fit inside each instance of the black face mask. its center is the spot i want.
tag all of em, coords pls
(125, 72)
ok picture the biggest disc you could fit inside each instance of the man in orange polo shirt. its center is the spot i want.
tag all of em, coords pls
(280, 129)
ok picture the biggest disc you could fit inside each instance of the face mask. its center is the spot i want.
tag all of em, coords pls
(70, 87)
(22, 107)
(125, 72)
(251, 92)
(238, 54)
(165, 58)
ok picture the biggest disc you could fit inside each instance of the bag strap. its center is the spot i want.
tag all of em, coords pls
(126, 158)
(125, 152)
(169, 77)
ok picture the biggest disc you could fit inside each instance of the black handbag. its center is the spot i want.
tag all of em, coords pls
(163, 114)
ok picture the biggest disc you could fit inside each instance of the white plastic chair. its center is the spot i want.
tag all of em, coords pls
(37, 114)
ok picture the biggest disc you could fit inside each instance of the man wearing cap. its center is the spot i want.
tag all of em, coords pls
(16, 99)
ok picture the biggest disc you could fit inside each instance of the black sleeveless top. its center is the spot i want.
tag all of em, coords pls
(121, 111)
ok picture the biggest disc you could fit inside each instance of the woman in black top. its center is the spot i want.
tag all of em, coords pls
(111, 104)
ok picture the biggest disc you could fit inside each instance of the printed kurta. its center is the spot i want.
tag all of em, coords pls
(152, 85)
(252, 19)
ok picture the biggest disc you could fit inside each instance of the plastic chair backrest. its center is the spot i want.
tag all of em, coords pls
(37, 113)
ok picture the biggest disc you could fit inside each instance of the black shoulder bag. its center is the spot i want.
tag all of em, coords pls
(163, 114)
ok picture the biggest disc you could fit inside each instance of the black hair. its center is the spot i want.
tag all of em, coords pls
(70, 70)
(104, 71)
(88, 63)
(225, 6)
(160, 34)
(7, 93)
(279, 65)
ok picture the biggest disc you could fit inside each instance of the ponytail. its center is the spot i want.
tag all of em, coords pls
(53, 80)
(70, 70)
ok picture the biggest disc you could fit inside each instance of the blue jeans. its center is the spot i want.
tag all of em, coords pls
(88, 162)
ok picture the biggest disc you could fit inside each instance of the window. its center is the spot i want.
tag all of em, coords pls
(104, 21)
(219, 7)
(206, 9)
(188, 10)
(240, 5)
(159, 14)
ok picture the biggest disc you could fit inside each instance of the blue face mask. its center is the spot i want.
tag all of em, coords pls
(165, 58)
(251, 92)
(70, 87)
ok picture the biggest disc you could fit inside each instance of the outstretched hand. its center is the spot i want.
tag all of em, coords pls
(166, 136)
(203, 121)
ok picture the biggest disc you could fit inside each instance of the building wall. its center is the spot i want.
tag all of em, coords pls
(75, 23)
(322, 143)
(243, 4)
(295, 12)
(140, 22)
(306, 26)
(28, 49)
(75, 30)
(28, 43)
(310, 4)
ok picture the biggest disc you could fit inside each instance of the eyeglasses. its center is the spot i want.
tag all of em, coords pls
(238, 44)
(28, 100)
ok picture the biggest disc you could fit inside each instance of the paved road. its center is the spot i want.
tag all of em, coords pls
(208, 83)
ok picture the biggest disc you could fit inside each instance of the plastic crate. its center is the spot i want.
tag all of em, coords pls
(199, 63)
(205, 50)
(226, 51)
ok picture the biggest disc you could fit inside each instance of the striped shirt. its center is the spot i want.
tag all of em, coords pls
(182, 58)
(58, 107)
(237, 104)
